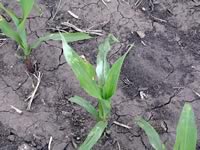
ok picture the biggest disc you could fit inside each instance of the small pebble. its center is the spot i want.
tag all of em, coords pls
(78, 138)
(108, 132)
(65, 113)
(141, 34)
(28, 138)
(61, 128)
(25, 147)
(11, 138)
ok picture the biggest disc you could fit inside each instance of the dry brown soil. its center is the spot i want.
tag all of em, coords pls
(164, 64)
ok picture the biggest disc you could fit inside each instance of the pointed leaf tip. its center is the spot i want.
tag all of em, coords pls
(82, 69)
(151, 133)
(186, 132)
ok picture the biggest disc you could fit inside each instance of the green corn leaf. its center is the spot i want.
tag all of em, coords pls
(104, 108)
(11, 14)
(93, 136)
(83, 70)
(112, 78)
(69, 37)
(26, 6)
(8, 31)
(151, 133)
(186, 132)
(85, 104)
(102, 64)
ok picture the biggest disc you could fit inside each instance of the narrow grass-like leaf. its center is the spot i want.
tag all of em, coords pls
(69, 37)
(112, 78)
(11, 14)
(26, 6)
(102, 64)
(186, 132)
(85, 104)
(151, 133)
(82, 69)
(93, 136)
(8, 31)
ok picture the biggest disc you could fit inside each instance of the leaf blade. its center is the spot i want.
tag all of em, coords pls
(85, 104)
(186, 132)
(93, 136)
(69, 37)
(82, 69)
(113, 77)
(102, 64)
(26, 6)
(8, 31)
(151, 133)
(11, 14)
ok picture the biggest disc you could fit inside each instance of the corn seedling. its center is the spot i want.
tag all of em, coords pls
(100, 83)
(186, 132)
(18, 32)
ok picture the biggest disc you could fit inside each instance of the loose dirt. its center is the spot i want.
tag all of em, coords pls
(164, 65)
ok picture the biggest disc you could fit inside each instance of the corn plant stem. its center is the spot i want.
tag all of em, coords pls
(27, 51)
(103, 111)
(28, 64)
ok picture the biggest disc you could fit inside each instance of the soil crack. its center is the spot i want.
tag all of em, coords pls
(168, 102)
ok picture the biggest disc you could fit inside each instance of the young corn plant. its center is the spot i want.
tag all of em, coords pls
(16, 30)
(100, 83)
(186, 132)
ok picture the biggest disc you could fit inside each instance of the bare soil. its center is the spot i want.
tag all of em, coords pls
(164, 64)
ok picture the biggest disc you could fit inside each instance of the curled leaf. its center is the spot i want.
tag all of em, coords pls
(82, 69)
(102, 64)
